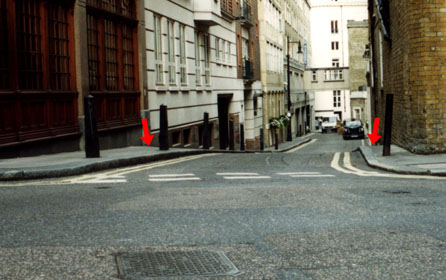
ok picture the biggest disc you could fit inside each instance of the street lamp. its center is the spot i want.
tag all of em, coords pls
(299, 50)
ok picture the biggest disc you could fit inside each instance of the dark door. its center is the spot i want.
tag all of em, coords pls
(223, 119)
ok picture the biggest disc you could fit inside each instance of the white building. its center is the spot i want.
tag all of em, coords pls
(297, 17)
(328, 76)
(192, 68)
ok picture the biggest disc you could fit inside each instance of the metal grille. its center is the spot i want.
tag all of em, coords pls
(127, 57)
(4, 64)
(93, 53)
(58, 48)
(29, 39)
(173, 263)
(111, 55)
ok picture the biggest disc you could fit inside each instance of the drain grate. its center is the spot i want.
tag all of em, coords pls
(141, 265)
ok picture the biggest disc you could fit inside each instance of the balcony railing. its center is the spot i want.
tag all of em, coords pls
(248, 73)
(245, 14)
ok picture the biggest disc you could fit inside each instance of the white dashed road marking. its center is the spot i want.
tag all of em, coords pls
(242, 176)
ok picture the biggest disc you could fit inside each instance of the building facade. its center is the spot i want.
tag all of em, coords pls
(192, 68)
(55, 53)
(297, 42)
(359, 91)
(329, 75)
(271, 46)
(408, 60)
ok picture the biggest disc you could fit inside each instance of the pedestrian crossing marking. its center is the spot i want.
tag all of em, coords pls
(173, 177)
(246, 177)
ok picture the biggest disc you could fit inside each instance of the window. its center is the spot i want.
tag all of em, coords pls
(182, 41)
(217, 48)
(335, 45)
(37, 81)
(335, 62)
(158, 51)
(334, 75)
(197, 59)
(112, 61)
(228, 52)
(223, 50)
(171, 52)
(334, 26)
(226, 5)
(207, 72)
(336, 98)
(314, 75)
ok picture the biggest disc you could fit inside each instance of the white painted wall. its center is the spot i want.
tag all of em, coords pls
(187, 103)
(322, 13)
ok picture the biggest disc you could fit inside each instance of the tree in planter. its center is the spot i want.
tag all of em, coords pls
(278, 123)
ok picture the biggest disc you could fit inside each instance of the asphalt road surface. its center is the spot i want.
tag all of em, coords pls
(316, 212)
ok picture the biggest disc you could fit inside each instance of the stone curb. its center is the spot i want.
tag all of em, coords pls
(30, 174)
(371, 161)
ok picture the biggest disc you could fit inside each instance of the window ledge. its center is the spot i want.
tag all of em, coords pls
(314, 81)
(174, 88)
(161, 88)
(330, 81)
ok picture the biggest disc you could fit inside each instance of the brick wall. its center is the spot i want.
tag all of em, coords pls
(415, 72)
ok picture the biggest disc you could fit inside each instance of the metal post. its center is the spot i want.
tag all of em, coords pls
(388, 125)
(289, 136)
(206, 133)
(91, 131)
(276, 138)
(163, 135)
(231, 135)
(242, 137)
(262, 143)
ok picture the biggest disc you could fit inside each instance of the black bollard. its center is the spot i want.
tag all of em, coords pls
(242, 137)
(262, 143)
(276, 137)
(231, 135)
(206, 133)
(388, 125)
(91, 131)
(163, 135)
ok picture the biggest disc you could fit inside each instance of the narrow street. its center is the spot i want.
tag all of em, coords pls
(316, 212)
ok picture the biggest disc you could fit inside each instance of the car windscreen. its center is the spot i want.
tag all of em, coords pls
(329, 119)
(353, 123)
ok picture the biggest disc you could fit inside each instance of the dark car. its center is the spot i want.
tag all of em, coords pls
(353, 129)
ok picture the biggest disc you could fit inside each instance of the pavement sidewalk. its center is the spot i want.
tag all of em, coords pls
(75, 163)
(404, 162)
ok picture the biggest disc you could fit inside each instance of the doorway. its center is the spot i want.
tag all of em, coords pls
(223, 102)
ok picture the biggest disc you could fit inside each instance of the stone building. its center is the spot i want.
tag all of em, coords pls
(193, 67)
(298, 36)
(408, 60)
(359, 92)
(248, 70)
(55, 53)
(329, 75)
(271, 46)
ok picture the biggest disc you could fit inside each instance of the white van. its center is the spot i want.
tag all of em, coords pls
(329, 123)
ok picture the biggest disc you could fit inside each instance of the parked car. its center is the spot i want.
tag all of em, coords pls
(329, 123)
(353, 129)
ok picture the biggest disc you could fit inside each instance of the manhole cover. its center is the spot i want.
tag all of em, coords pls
(397, 192)
(141, 265)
